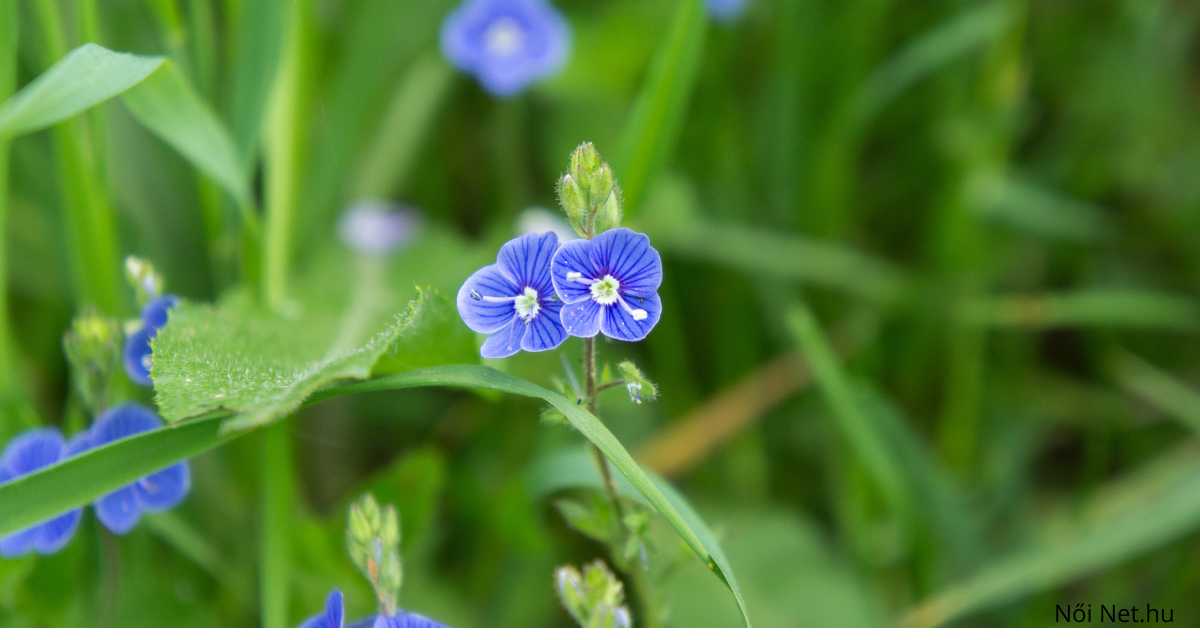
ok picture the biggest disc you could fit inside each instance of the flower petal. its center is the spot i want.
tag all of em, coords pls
(527, 259)
(544, 331)
(164, 489)
(582, 319)
(32, 450)
(154, 314)
(483, 316)
(137, 356)
(119, 510)
(628, 256)
(406, 620)
(504, 342)
(618, 324)
(54, 534)
(19, 543)
(573, 257)
(332, 617)
(122, 421)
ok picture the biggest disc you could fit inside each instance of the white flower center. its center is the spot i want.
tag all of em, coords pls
(504, 37)
(605, 290)
(526, 304)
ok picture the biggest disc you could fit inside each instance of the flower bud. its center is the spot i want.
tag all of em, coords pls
(93, 348)
(146, 282)
(595, 597)
(373, 541)
(589, 193)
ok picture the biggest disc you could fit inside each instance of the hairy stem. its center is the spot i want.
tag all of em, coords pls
(589, 373)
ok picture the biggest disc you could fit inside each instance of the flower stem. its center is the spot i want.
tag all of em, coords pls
(589, 372)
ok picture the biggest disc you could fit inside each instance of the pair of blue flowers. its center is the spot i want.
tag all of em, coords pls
(540, 291)
(334, 617)
(120, 510)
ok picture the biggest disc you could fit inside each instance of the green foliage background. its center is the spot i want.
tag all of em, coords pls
(928, 352)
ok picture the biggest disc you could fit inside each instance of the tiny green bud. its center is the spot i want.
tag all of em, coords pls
(589, 193)
(373, 541)
(146, 282)
(636, 383)
(93, 348)
(595, 597)
(574, 202)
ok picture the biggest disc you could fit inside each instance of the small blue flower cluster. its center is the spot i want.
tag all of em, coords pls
(506, 44)
(540, 291)
(137, 345)
(334, 617)
(119, 510)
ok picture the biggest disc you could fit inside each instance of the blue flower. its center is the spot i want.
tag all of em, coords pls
(506, 44)
(137, 345)
(159, 491)
(726, 10)
(609, 284)
(27, 453)
(406, 620)
(334, 615)
(513, 301)
(377, 228)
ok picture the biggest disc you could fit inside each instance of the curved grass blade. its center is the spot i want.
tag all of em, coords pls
(658, 114)
(1102, 308)
(86, 77)
(41, 495)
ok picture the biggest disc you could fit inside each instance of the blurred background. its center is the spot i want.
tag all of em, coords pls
(928, 352)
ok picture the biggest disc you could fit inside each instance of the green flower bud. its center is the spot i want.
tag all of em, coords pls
(373, 541)
(636, 383)
(589, 193)
(146, 282)
(595, 597)
(93, 348)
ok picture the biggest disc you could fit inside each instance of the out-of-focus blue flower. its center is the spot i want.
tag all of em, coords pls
(513, 301)
(137, 345)
(405, 620)
(27, 453)
(609, 284)
(378, 228)
(159, 491)
(334, 615)
(726, 10)
(506, 44)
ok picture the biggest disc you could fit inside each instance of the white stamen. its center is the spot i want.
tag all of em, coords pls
(638, 314)
(526, 304)
(504, 37)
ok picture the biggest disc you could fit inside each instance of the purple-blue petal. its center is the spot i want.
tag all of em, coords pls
(406, 620)
(122, 421)
(164, 489)
(154, 314)
(539, 49)
(378, 228)
(545, 330)
(483, 316)
(137, 356)
(726, 10)
(527, 259)
(505, 342)
(618, 324)
(25, 454)
(332, 617)
(628, 256)
(573, 257)
(582, 319)
(54, 534)
(119, 511)
(33, 450)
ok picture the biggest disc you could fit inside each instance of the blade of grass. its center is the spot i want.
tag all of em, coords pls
(43, 494)
(649, 136)
(258, 29)
(1156, 387)
(1101, 308)
(278, 485)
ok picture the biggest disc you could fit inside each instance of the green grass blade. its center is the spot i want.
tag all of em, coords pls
(83, 79)
(1157, 387)
(50, 491)
(865, 438)
(257, 29)
(657, 116)
(1130, 517)
(168, 106)
(1102, 308)
(274, 541)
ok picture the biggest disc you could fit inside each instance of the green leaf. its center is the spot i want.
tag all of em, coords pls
(83, 79)
(1106, 308)
(657, 115)
(575, 469)
(79, 480)
(1131, 516)
(167, 105)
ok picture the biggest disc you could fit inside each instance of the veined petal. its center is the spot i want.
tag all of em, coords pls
(164, 489)
(619, 324)
(628, 256)
(527, 259)
(479, 314)
(582, 319)
(574, 257)
(119, 510)
(544, 331)
(504, 342)
(332, 617)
